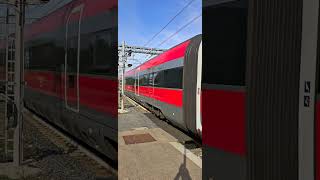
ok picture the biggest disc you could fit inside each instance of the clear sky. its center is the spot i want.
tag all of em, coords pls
(140, 20)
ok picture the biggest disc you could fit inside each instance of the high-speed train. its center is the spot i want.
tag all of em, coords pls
(170, 85)
(261, 90)
(71, 64)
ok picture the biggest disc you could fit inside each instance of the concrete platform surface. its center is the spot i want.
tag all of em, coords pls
(163, 159)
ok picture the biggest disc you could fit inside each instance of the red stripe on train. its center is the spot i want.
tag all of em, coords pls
(223, 120)
(170, 55)
(169, 96)
(96, 93)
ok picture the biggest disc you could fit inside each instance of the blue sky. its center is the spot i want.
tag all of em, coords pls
(139, 20)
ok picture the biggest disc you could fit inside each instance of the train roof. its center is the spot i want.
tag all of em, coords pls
(51, 21)
(169, 55)
(54, 20)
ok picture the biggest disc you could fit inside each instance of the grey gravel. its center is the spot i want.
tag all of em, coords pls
(53, 163)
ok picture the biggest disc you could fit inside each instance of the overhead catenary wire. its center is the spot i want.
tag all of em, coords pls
(167, 24)
(186, 25)
(186, 6)
(179, 30)
(170, 21)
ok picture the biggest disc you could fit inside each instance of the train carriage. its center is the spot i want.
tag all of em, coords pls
(260, 91)
(71, 71)
(224, 89)
(160, 84)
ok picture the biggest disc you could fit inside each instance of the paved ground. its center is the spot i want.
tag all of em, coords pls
(169, 156)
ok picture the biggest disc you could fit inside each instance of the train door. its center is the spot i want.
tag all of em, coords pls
(307, 148)
(223, 89)
(150, 82)
(191, 85)
(198, 96)
(137, 82)
(72, 58)
(316, 107)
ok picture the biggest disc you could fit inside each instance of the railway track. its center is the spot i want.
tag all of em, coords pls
(71, 147)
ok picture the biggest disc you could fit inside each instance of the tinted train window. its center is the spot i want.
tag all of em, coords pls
(72, 46)
(169, 78)
(173, 78)
(151, 76)
(159, 79)
(72, 55)
(225, 32)
(129, 81)
(86, 53)
(144, 80)
(99, 53)
(45, 57)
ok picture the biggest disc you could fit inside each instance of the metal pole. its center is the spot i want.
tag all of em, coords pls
(18, 151)
(122, 76)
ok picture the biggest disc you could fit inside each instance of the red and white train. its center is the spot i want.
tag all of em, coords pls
(170, 85)
(71, 64)
(260, 90)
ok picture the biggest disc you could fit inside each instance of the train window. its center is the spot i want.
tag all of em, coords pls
(72, 53)
(72, 47)
(151, 76)
(102, 49)
(169, 78)
(173, 78)
(144, 80)
(141, 81)
(43, 57)
(99, 53)
(158, 79)
(225, 32)
(129, 81)
(86, 53)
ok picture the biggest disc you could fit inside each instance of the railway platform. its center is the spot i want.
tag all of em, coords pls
(150, 148)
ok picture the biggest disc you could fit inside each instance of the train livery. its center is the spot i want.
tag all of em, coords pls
(170, 85)
(260, 90)
(71, 66)
(224, 90)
